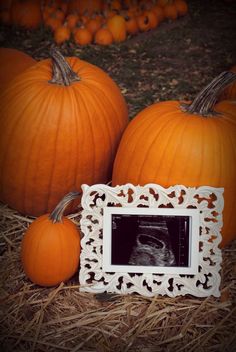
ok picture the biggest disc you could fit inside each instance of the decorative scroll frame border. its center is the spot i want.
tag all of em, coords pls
(208, 200)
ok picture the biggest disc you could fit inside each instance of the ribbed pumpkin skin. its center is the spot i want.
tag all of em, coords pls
(12, 62)
(167, 146)
(54, 138)
(117, 27)
(230, 92)
(50, 251)
(227, 105)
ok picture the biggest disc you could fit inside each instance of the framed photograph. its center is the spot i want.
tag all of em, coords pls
(151, 240)
(156, 240)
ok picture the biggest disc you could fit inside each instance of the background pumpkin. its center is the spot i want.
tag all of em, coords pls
(229, 93)
(26, 13)
(61, 34)
(12, 62)
(50, 247)
(57, 132)
(82, 36)
(103, 36)
(168, 145)
(85, 6)
(117, 27)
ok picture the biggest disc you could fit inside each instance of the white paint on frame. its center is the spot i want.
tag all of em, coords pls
(96, 252)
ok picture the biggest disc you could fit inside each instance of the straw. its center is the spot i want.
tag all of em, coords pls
(62, 318)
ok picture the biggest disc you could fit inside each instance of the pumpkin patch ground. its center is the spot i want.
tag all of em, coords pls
(174, 61)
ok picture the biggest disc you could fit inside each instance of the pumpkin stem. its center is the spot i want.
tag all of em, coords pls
(204, 102)
(62, 72)
(57, 213)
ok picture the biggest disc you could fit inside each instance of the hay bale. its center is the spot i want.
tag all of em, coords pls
(62, 318)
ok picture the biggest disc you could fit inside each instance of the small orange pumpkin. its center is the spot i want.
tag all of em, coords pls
(152, 18)
(159, 12)
(52, 22)
(50, 247)
(131, 25)
(117, 27)
(82, 36)
(93, 25)
(143, 23)
(58, 13)
(103, 37)
(181, 6)
(62, 34)
(171, 143)
(116, 5)
(170, 11)
(72, 20)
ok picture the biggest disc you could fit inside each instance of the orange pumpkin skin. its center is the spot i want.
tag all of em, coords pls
(170, 11)
(230, 92)
(26, 13)
(131, 25)
(167, 146)
(181, 6)
(93, 25)
(117, 27)
(103, 37)
(82, 36)
(85, 6)
(72, 20)
(61, 34)
(54, 138)
(12, 62)
(227, 106)
(159, 12)
(50, 251)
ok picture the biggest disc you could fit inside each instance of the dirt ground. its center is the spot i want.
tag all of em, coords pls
(172, 62)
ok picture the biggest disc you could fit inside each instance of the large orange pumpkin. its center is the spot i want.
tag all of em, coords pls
(50, 248)
(12, 62)
(169, 144)
(60, 127)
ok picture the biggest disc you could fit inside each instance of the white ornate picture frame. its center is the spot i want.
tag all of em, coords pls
(198, 275)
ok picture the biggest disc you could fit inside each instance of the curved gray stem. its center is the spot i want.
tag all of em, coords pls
(62, 72)
(204, 102)
(57, 213)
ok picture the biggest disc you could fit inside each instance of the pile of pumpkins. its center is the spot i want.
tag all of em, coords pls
(94, 21)
(64, 122)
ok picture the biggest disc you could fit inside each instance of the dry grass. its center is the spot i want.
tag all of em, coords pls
(33, 318)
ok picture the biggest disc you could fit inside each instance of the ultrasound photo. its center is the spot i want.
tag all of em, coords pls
(150, 240)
